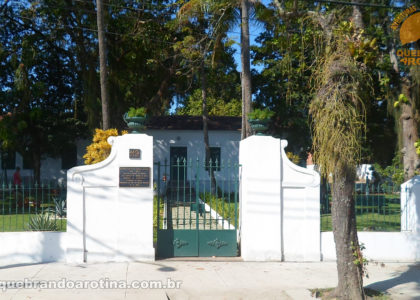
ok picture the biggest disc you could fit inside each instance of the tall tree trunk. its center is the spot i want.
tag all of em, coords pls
(343, 213)
(246, 69)
(102, 65)
(409, 132)
(160, 101)
(350, 276)
(205, 127)
(348, 252)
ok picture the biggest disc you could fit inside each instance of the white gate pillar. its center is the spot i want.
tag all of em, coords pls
(110, 204)
(410, 205)
(260, 199)
(279, 202)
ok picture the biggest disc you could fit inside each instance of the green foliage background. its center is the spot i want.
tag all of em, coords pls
(50, 82)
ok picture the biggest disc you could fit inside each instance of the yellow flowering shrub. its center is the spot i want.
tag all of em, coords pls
(99, 150)
(294, 158)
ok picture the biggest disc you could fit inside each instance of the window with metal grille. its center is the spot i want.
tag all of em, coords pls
(215, 159)
(8, 160)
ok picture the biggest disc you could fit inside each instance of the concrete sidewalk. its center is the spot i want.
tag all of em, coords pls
(204, 280)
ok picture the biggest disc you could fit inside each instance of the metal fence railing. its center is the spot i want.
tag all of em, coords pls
(378, 207)
(35, 207)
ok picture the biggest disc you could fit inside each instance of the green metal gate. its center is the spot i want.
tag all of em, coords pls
(197, 216)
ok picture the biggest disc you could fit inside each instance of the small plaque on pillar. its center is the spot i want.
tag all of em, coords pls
(136, 177)
(134, 154)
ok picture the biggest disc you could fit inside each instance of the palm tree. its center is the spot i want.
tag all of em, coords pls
(223, 12)
(208, 38)
(246, 69)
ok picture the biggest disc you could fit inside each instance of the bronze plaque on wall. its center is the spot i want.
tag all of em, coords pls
(135, 177)
(134, 154)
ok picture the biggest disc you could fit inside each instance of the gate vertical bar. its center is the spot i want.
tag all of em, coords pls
(236, 197)
(217, 200)
(29, 202)
(184, 188)
(10, 206)
(210, 195)
(177, 193)
(229, 191)
(211, 200)
(197, 197)
(4, 200)
(223, 189)
(191, 169)
(23, 206)
(166, 201)
(158, 199)
(17, 205)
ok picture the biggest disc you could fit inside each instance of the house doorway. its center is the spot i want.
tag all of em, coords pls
(178, 158)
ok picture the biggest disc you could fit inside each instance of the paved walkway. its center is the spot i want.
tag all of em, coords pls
(183, 217)
(202, 280)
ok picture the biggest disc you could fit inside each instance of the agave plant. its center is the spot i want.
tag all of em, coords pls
(59, 209)
(42, 222)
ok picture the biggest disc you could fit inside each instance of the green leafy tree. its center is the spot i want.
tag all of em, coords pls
(286, 55)
(142, 61)
(37, 133)
(36, 98)
(396, 89)
(216, 106)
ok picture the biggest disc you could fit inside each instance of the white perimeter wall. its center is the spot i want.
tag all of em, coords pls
(279, 212)
(380, 246)
(31, 247)
(389, 246)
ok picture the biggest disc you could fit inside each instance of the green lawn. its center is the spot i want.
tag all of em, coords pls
(155, 227)
(225, 207)
(17, 207)
(19, 222)
(374, 212)
(371, 218)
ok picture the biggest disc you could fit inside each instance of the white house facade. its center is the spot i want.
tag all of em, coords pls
(180, 140)
(173, 137)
